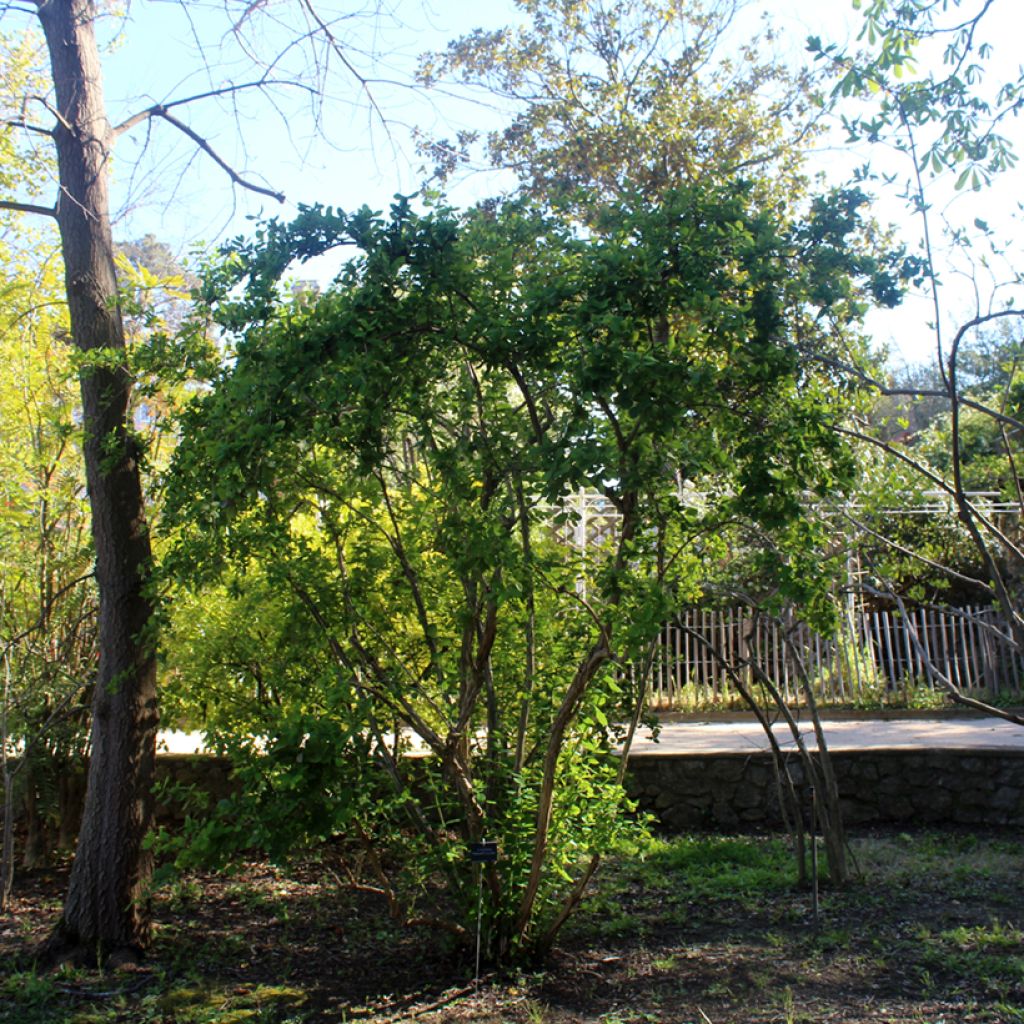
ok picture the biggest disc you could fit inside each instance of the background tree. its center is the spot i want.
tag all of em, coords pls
(604, 100)
(47, 599)
(949, 119)
(105, 907)
(47, 596)
(601, 100)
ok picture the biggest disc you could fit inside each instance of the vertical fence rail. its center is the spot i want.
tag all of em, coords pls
(872, 655)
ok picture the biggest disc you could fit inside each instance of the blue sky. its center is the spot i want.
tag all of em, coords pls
(340, 153)
(351, 157)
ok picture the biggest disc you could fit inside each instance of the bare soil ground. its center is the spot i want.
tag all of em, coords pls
(690, 930)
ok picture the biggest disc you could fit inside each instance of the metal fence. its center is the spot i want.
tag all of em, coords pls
(874, 655)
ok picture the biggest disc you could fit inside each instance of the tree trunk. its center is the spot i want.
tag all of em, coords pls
(33, 854)
(7, 836)
(70, 794)
(104, 909)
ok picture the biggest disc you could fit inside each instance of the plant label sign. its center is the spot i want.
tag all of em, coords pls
(483, 853)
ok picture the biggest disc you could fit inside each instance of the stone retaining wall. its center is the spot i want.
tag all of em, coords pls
(728, 791)
(204, 771)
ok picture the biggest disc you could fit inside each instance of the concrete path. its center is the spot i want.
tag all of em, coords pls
(732, 737)
(960, 733)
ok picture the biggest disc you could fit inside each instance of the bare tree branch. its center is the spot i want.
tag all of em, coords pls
(40, 621)
(43, 211)
(968, 511)
(29, 127)
(954, 691)
(160, 109)
(47, 105)
(931, 563)
(216, 157)
(910, 392)
(339, 52)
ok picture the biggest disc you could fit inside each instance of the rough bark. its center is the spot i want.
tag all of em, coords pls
(104, 909)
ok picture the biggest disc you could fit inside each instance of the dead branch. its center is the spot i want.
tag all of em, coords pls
(917, 556)
(40, 621)
(159, 109)
(910, 392)
(217, 159)
(48, 106)
(954, 691)
(968, 511)
(42, 211)
(339, 52)
(449, 997)
(29, 127)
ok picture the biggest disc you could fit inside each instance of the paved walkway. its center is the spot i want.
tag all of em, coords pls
(737, 737)
(861, 734)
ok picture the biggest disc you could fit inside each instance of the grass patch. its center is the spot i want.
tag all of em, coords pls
(940, 861)
(988, 958)
(655, 885)
(206, 1005)
(706, 866)
(98, 998)
(721, 867)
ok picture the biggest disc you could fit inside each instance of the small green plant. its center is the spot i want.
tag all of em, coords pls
(791, 1011)
(832, 939)
(693, 697)
(27, 997)
(989, 957)
(183, 893)
(536, 1012)
(995, 935)
(200, 1004)
(1008, 1013)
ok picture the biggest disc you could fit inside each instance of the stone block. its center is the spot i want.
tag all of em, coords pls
(724, 814)
(968, 814)
(932, 804)
(929, 787)
(664, 800)
(895, 808)
(679, 819)
(857, 813)
(699, 801)
(1007, 798)
(863, 770)
(746, 797)
(890, 785)
(728, 769)
(696, 785)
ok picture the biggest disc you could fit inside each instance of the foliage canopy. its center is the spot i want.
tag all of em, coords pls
(607, 100)
(392, 465)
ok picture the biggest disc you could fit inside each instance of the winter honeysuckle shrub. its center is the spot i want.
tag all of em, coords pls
(414, 632)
